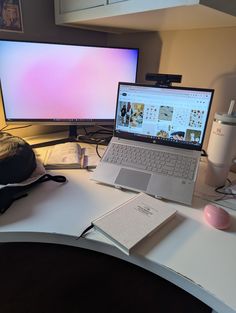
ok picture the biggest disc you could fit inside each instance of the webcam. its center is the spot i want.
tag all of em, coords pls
(164, 79)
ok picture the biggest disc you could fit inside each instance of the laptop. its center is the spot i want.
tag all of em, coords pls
(157, 140)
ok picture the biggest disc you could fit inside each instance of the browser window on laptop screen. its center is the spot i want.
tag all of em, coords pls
(175, 116)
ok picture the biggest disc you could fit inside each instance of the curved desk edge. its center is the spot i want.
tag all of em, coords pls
(106, 248)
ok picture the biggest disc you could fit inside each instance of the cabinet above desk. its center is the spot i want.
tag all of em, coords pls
(148, 15)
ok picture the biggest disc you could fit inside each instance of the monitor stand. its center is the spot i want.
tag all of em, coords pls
(72, 137)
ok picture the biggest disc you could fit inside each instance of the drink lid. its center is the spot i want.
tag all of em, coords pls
(226, 118)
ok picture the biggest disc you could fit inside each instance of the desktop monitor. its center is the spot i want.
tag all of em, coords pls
(62, 84)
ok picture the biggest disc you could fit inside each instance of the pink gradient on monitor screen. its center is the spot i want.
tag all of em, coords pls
(48, 81)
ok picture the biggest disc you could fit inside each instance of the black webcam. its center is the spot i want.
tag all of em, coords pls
(164, 79)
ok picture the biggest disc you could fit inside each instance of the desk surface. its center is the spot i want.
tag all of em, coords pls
(187, 252)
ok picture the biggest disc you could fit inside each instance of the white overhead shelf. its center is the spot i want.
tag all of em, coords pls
(145, 15)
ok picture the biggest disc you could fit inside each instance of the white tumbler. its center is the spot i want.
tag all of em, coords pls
(221, 148)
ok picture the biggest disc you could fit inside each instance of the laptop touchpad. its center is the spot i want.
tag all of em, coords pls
(133, 179)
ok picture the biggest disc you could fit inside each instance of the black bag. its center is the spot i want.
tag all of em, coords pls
(17, 159)
(17, 164)
(10, 193)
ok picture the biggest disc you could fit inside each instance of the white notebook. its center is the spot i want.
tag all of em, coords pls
(134, 220)
(66, 155)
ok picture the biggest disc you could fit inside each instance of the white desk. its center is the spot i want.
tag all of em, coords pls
(187, 252)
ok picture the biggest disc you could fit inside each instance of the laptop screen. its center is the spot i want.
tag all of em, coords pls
(175, 116)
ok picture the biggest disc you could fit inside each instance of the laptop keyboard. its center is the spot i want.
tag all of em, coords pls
(159, 162)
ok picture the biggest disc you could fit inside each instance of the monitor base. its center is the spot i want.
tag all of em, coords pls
(72, 137)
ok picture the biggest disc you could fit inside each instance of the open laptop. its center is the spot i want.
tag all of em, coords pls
(157, 141)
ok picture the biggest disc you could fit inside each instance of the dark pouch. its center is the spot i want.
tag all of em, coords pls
(9, 194)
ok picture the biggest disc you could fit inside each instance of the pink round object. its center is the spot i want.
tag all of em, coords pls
(216, 216)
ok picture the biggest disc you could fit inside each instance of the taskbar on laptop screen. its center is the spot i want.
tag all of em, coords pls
(175, 116)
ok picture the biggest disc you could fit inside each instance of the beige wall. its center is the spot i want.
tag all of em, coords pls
(205, 58)
(149, 46)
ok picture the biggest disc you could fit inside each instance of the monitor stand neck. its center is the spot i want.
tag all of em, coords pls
(72, 137)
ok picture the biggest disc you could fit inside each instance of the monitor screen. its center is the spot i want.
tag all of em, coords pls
(48, 83)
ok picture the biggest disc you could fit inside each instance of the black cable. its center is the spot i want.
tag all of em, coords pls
(106, 128)
(204, 154)
(85, 231)
(92, 140)
(102, 130)
(101, 141)
(93, 134)
(218, 189)
(85, 130)
(99, 155)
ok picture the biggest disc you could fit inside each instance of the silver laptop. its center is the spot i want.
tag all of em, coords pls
(157, 141)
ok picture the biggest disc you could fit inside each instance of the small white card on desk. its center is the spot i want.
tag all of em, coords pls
(134, 220)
